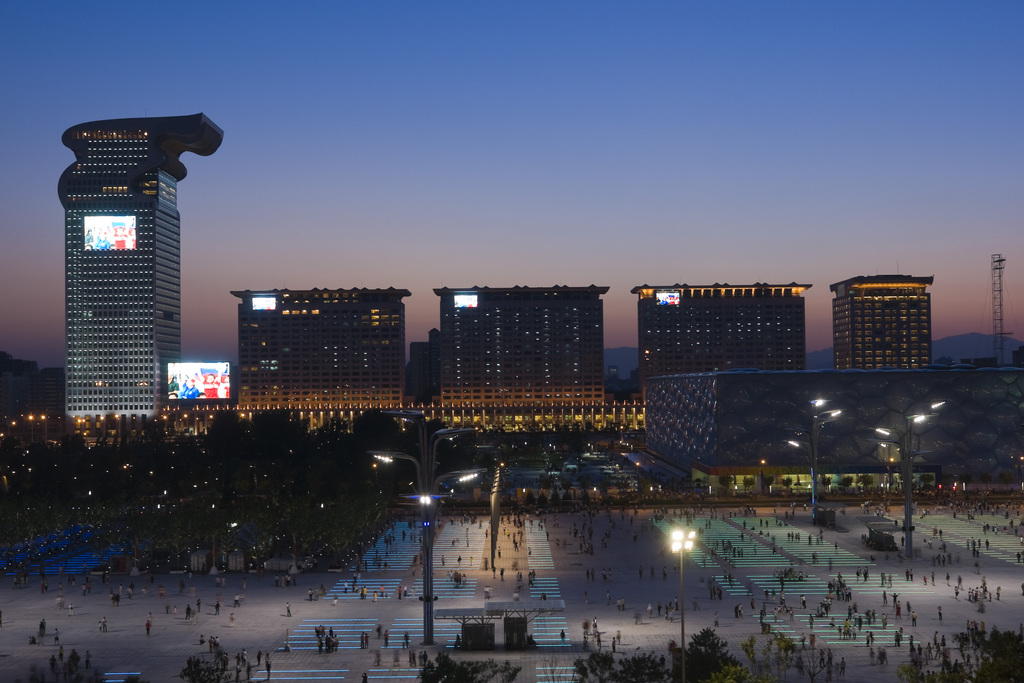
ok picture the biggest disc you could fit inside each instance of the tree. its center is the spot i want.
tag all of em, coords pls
(809, 663)
(865, 480)
(644, 667)
(999, 655)
(748, 483)
(200, 670)
(446, 669)
(788, 483)
(995, 656)
(602, 667)
(597, 668)
(927, 479)
(707, 654)
(846, 482)
(734, 673)
(725, 481)
(826, 481)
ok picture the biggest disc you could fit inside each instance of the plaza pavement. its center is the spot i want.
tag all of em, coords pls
(260, 622)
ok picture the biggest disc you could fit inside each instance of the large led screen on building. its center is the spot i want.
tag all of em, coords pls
(198, 381)
(264, 303)
(667, 298)
(109, 233)
(465, 301)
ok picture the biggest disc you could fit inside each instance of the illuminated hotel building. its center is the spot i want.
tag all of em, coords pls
(122, 260)
(687, 329)
(521, 346)
(882, 321)
(321, 349)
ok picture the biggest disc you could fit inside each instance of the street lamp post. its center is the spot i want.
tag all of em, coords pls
(681, 542)
(426, 467)
(818, 421)
(902, 438)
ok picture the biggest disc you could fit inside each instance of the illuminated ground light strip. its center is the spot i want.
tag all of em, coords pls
(399, 555)
(310, 674)
(546, 586)
(444, 588)
(556, 674)
(723, 531)
(801, 549)
(389, 674)
(339, 590)
(472, 554)
(346, 630)
(538, 549)
(547, 631)
(443, 628)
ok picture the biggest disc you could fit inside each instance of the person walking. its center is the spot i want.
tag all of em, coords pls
(288, 608)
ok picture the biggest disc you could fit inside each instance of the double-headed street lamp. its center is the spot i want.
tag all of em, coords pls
(426, 488)
(818, 420)
(681, 542)
(902, 439)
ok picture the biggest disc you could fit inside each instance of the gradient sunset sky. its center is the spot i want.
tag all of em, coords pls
(430, 144)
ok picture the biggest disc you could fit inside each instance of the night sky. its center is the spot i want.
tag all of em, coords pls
(432, 144)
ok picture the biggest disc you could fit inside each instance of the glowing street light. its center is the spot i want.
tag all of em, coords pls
(902, 438)
(681, 542)
(427, 483)
(818, 420)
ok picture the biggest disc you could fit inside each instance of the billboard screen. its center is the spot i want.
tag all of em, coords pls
(109, 233)
(667, 298)
(198, 381)
(465, 301)
(264, 303)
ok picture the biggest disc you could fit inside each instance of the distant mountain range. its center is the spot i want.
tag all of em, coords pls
(955, 348)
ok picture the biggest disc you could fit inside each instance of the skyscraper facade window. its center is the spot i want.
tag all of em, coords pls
(882, 321)
(321, 349)
(122, 259)
(692, 328)
(521, 346)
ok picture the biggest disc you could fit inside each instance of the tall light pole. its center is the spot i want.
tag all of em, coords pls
(681, 542)
(902, 438)
(818, 420)
(426, 469)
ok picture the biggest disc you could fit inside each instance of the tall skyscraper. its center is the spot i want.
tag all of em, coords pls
(122, 259)
(703, 328)
(882, 321)
(522, 346)
(321, 349)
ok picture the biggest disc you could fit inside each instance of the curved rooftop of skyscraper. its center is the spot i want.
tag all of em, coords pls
(168, 138)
